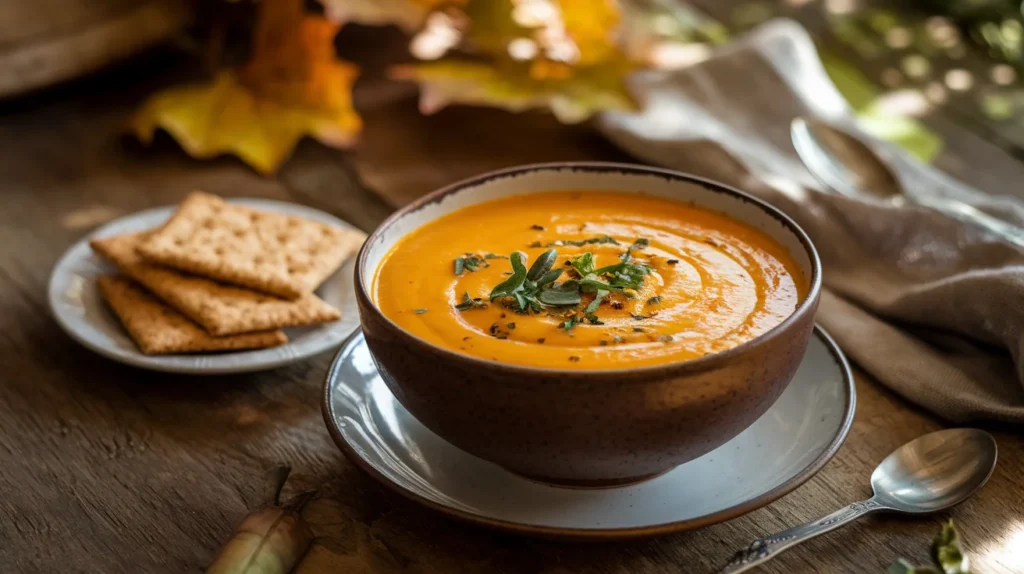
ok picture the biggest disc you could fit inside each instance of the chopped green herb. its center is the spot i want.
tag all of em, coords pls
(470, 262)
(640, 317)
(536, 244)
(471, 303)
(493, 256)
(542, 265)
(638, 329)
(495, 328)
(538, 227)
(511, 326)
(654, 300)
(604, 343)
(420, 311)
(665, 338)
(570, 323)
(600, 240)
(640, 243)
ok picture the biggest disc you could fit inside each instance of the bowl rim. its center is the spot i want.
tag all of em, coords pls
(701, 364)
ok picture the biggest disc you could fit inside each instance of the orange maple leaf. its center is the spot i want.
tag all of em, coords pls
(292, 86)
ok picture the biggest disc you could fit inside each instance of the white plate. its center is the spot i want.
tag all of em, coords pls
(79, 308)
(781, 450)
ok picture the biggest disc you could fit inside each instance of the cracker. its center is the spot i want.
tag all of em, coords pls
(283, 255)
(159, 330)
(220, 309)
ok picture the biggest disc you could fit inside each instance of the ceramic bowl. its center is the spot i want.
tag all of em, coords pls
(579, 427)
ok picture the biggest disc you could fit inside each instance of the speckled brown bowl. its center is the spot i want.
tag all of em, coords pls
(599, 427)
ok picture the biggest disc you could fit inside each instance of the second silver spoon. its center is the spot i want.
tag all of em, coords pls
(846, 165)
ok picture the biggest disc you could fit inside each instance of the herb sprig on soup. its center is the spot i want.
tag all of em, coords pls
(587, 280)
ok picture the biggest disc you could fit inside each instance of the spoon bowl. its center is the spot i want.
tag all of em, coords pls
(935, 471)
(842, 161)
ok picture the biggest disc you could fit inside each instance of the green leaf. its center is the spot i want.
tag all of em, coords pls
(549, 277)
(542, 265)
(420, 311)
(946, 551)
(592, 307)
(515, 282)
(599, 240)
(558, 296)
(584, 264)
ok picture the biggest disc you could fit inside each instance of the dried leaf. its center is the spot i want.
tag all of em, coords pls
(560, 55)
(572, 94)
(292, 86)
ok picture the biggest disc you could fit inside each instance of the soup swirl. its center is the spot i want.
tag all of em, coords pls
(671, 281)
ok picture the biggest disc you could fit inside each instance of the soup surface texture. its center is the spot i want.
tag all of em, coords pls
(673, 281)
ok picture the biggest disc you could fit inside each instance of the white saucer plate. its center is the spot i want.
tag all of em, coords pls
(78, 306)
(778, 453)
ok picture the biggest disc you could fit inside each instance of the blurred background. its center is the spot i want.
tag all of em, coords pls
(895, 62)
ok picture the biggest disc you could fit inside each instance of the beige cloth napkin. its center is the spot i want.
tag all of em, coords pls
(931, 307)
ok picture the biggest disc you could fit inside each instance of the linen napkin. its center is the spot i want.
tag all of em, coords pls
(931, 307)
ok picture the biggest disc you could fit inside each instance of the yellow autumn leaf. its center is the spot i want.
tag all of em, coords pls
(573, 94)
(292, 86)
(592, 25)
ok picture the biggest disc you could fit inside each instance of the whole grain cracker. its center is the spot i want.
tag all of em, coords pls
(220, 309)
(159, 330)
(283, 255)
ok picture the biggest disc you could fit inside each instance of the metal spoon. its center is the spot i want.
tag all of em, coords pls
(846, 165)
(928, 474)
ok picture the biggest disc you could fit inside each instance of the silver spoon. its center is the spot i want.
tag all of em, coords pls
(928, 474)
(846, 165)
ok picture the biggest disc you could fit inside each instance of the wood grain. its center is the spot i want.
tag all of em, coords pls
(111, 469)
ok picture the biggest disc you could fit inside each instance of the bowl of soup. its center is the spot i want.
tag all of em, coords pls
(587, 323)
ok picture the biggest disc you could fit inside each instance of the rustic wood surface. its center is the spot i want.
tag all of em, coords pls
(111, 469)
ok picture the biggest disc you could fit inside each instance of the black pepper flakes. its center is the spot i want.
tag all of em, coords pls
(574, 359)
(672, 262)
(541, 340)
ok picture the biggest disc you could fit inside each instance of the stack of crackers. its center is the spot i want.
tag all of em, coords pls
(220, 277)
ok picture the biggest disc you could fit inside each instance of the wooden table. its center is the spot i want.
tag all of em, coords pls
(110, 469)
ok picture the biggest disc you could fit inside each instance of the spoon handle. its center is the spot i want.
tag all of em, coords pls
(970, 214)
(764, 549)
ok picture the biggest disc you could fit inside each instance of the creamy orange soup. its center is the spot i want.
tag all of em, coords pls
(693, 281)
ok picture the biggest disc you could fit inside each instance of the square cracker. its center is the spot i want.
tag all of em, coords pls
(220, 309)
(283, 255)
(159, 330)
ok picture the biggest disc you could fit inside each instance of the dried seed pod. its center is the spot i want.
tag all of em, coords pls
(271, 540)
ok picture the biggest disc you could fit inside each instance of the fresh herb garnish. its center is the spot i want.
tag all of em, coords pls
(640, 317)
(638, 329)
(654, 300)
(604, 343)
(536, 244)
(599, 240)
(471, 303)
(493, 256)
(536, 288)
(665, 338)
(947, 555)
(511, 326)
(470, 262)
(420, 311)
